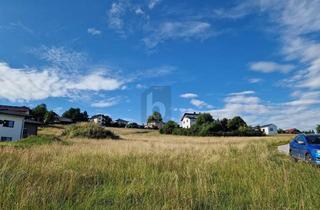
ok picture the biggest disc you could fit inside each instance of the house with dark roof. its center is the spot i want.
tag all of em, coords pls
(189, 119)
(122, 123)
(15, 123)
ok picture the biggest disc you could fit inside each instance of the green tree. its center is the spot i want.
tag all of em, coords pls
(318, 129)
(49, 117)
(169, 127)
(133, 125)
(106, 120)
(76, 115)
(210, 129)
(155, 117)
(204, 118)
(235, 123)
(39, 112)
(224, 124)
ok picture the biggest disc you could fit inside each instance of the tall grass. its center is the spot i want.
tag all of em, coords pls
(149, 171)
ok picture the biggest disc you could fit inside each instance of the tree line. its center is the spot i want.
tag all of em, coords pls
(207, 126)
(41, 114)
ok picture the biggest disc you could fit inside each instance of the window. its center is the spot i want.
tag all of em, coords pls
(3, 138)
(270, 129)
(8, 123)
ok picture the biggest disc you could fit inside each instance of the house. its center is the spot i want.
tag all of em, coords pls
(189, 119)
(269, 129)
(61, 120)
(15, 123)
(154, 125)
(101, 120)
(292, 131)
(122, 123)
(30, 128)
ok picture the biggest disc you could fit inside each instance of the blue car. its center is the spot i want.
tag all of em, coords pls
(306, 147)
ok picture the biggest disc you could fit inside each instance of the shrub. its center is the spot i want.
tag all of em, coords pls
(133, 125)
(89, 130)
(169, 127)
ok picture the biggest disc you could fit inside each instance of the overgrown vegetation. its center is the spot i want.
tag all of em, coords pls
(88, 130)
(318, 128)
(207, 126)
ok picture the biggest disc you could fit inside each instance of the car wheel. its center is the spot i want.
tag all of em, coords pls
(293, 158)
(308, 158)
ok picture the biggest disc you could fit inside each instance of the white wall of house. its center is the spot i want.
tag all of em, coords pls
(98, 120)
(187, 122)
(270, 130)
(16, 131)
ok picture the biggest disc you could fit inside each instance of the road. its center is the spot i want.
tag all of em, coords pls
(284, 149)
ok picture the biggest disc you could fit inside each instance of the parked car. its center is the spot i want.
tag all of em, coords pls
(306, 147)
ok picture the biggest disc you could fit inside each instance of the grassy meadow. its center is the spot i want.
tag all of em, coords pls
(146, 170)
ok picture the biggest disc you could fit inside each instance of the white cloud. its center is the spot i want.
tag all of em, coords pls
(200, 104)
(153, 3)
(155, 72)
(269, 67)
(247, 92)
(94, 31)
(106, 103)
(141, 86)
(116, 13)
(139, 11)
(254, 80)
(95, 82)
(178, 30)
(26, 84)
(61, 58)
(189, 95)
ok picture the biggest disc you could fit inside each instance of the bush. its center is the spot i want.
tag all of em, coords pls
(169, 127)
(133, 125)
(90, 130)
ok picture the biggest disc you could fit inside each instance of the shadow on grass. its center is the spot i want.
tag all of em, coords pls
(35, 141)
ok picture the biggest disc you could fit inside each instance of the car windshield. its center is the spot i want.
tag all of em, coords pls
(313, 139)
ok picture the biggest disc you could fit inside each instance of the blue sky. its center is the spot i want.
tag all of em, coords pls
(256, 59)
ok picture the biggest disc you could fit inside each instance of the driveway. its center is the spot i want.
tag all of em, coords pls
(284, 149)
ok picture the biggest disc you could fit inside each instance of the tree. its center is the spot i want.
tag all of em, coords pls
(76, 115)
(318, 129)
(204, 118)
(224, 124)
(39, 112)
(107, 120)
(155, 117)
(169, 127)
(133, 125)
(210, 129)
(49, 117)
(235, 123)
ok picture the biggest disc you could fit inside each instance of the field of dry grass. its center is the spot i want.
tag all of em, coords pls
(146, 170)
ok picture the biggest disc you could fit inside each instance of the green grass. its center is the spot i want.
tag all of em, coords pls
(146, 171)
(34, 141)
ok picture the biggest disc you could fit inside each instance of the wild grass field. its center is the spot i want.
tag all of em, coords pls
(146, 170)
